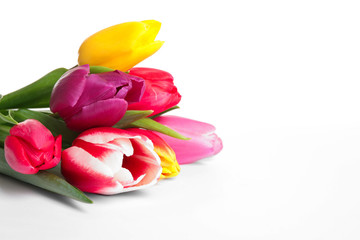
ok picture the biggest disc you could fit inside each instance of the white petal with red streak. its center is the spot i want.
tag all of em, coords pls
(86, 162)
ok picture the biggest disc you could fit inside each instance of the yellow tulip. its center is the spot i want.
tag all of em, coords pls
(121, 46)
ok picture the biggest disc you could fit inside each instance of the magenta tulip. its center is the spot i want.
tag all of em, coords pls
(160, 91)
(86, 100)
(109, 161)
(203, 140)
(31, 147)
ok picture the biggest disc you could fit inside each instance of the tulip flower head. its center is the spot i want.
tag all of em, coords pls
(160, 92)
(203, 140)
(121, 46)
(86, 100)
(31, 147)
(109, 161)
(169, 164)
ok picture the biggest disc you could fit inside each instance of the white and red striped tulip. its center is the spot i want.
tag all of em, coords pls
(169, 164)
(110, 160)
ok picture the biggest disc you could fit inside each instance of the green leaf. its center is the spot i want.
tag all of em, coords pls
(148, 123)
(56, 126)
(35, 95)
(132, 116)
(100, 69)
(163, 112)
(4, 132)
(8, 118)
(45, 180)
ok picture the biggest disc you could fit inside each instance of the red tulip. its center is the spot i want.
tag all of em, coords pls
(109, 161)
(86, 100)
(160, 91)
(203, 140)
(31, 147)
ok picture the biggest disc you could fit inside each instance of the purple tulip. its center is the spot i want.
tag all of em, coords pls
(86, 100)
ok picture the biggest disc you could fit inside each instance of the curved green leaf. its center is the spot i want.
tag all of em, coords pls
(35, 95)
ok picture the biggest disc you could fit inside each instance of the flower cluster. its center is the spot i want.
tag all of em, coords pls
(105, 130)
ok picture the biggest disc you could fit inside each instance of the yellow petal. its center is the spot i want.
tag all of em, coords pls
(169, 163)
(121, 46)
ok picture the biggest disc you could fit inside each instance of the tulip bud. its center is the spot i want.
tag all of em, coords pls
(109, 161)
(86, 100)
(160, 92)
(203, 140)
(169, 164)
(121, 46)
(31, 147)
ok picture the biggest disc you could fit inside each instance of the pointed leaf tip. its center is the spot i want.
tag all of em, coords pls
(149, 124)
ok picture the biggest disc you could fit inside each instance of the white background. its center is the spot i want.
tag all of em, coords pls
(279, 80)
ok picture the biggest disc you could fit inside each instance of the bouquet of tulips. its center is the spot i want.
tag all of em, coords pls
(100, 127)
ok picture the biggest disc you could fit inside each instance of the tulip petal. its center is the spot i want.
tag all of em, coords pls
(36, 157)
(50, 163)
(34, 133)
(115, 78)
(160, 92)
(121, 46)
(143, 162)
(53, 159)
(61, 97)
(186, 125)
(123, 145)
(169, 164)
(137, 90)
(132, 87)
(203, 141)
(111, 111)
(125, 178)
(106, 134)
(152, 28)
(106, 153)
(95, 90)
(16, 156)
(86, 172)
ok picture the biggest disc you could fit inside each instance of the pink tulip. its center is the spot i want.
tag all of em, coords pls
(31, 147)
(109, 161)
(203, 140)
(86, 100)
(160, 91)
